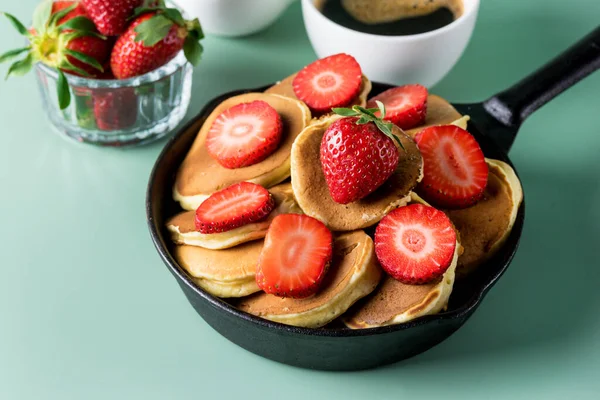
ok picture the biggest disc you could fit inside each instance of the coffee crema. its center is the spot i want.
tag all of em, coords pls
(391, 17)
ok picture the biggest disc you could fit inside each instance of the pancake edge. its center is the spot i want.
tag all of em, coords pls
(233, 279)
(221, 289)
(220, 241)
(433, 303)
(516, 195)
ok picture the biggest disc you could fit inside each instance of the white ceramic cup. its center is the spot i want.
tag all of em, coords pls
(423, 58)
(234, 17)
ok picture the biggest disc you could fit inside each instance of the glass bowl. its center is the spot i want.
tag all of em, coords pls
(120, 112)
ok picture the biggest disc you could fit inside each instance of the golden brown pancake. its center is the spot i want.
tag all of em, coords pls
(200, 175)
(485, 226)
(383, 11)
(394, 302)
(312, 192)
(183, 229)
(285, 88)
(223, 273)
(353, 274)
(439, 112)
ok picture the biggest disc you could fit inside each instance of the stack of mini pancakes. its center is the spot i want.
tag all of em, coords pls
(356, 290)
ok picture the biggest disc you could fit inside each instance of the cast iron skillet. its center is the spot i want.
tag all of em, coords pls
(495, 123)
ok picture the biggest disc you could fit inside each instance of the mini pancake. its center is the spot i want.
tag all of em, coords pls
(200, 175)
(353, 274)
(183, 229)
(439, 112)
(285, 88)
(485, 226)
(222, 273)
(228, 289)
(312, 193)
(385, 11)
(394, 302)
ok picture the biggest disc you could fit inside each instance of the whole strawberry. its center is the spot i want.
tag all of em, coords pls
(94, 46)
(111, 16)
(115, 109)
(154, 38)
(358, 153)
(64, 38)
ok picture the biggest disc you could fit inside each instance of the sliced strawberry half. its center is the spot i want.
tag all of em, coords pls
(332, 81)
(244, 134)
(415, 244)
(235, 206)
(295, 256)
(455, 173)
(406, 106)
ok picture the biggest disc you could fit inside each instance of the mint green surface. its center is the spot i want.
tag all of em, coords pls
(88, 310)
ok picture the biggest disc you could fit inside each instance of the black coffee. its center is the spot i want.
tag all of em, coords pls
(333, 10)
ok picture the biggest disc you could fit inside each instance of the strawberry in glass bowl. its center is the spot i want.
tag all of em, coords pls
(110, 72)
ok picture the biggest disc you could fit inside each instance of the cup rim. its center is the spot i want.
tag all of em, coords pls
(178, 62)
(471, 7)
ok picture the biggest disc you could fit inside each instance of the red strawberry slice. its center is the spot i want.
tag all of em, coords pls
(235, 206)
(295, 256)
(406, 106)
(332, 81)
(244, 134)
(415, 244)
(455, 172)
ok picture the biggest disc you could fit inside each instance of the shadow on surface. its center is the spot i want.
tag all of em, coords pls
(271, 53)
(492, 62)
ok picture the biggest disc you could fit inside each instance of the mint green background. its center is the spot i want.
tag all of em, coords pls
(88, 311)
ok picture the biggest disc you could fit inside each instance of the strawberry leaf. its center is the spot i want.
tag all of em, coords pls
(77, 34)
(152, 31)
(62, 89)
(381, 107)
(41, 16)
(57, 16)
(20, 67)
(368, 111)
(16, 23)
(174, 15)
(66, 65)
(367, 115)
(386, 128)
(195, 29)
(86, 59)
(148, 6)
(79, 23)
(345, 112)
(9, 55)
(192, 50)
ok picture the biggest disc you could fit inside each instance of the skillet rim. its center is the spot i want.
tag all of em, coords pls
(156, 233)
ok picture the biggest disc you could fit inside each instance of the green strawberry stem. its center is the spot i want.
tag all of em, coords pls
(367, 115)
(49, 43)
(155, 29)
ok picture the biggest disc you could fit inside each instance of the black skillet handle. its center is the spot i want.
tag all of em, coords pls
(512, 106)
